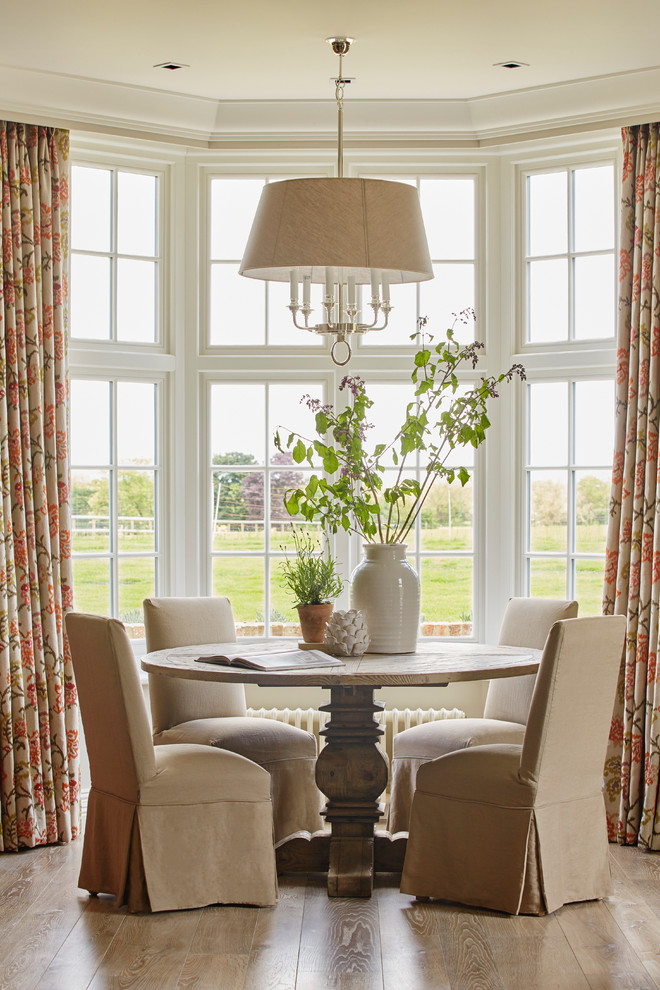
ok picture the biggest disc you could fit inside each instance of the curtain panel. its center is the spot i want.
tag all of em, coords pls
(632, 567)
(39, 769)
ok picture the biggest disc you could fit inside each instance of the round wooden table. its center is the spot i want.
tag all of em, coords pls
(351, 769)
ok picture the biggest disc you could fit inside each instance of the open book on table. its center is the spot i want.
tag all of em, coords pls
(283, 660)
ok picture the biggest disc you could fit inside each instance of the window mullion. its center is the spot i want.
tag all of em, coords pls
(570, 199)
(267, 515)
(570, 496)
(114, 504)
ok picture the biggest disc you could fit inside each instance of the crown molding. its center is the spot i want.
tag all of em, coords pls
(198, 122)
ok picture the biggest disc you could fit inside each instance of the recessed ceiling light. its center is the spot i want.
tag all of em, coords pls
(511, 64)
(171, 65)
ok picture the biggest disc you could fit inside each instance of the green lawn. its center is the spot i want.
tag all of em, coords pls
(446, 581)
(588, 539)
(548, 580)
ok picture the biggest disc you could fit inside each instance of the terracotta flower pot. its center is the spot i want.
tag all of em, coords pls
(313, 619)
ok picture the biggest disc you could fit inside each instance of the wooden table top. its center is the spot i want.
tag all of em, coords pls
(434, 663)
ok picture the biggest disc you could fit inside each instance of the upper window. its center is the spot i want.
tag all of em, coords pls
(449, 213)
(115, 255)
(245, 312)
(570, 254)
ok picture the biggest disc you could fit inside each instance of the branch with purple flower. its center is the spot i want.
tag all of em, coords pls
(442, 418)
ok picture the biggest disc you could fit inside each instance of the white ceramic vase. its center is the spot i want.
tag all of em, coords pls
(385, 588)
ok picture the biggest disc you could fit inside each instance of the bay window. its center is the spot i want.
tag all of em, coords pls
(182, 371)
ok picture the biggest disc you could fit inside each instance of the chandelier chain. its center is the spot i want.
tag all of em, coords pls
(340, 86)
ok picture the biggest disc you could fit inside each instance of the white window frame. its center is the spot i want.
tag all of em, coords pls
(155, 362)
(113, 554)
(268, 554)
(114, 164)
(184, 361)
(568, 360)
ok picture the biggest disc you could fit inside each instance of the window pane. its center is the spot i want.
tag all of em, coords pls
(137, 581)
(242, 578)
(387, 415)
(548, 432)
(238, 424)
(233, 205)
(447, 517)
(238, 510)
(548, 300)
(547, 578)
(288, 411)
(91, 195)
(589, 576)
(592, 500)
(548, 203)
(594, 422)
(548, 510)
(136, 300)
(281, 530)
(461, 455)
(283, 613)
(450, 292)
(136, 428)
(91, 585)
(391, 478)
(594, 296)
(136, 213)
(281, 533)
(90, 422)
(446, 592)
(90, 297)
(594, 212)
(136, 511)
(90, 511)
(238, 306)
(448, 210)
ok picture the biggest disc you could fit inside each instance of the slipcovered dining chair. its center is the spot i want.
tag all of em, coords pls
(526, 622)
(215, 714)
(167, 828)
(522, 828)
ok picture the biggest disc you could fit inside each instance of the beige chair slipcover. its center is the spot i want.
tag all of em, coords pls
(214, 714)
(526, 622)
(522, 829)
(167, 828)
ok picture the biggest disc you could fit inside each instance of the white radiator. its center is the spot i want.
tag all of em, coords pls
(393, 720)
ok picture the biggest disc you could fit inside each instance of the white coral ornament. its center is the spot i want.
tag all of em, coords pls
(346, 633)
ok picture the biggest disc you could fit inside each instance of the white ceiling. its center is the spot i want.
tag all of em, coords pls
(265, 49)
(422, 70)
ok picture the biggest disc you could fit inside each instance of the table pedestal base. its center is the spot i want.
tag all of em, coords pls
(352, 772)
(310, 853)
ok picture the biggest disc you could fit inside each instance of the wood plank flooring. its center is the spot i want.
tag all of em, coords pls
(54, 937)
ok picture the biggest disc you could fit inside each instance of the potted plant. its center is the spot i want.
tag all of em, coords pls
(351, 494)
(313, 582)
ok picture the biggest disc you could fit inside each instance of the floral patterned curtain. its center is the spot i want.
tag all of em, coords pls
(632, 569)
(39, 772)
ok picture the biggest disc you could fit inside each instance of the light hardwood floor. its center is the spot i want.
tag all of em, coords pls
(53, 937)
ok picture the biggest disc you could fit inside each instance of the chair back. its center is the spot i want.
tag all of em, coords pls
(172, 622)
(526, 622)
(114, 713)
(571, 712)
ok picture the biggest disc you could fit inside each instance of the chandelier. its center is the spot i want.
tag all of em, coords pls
(342, 233)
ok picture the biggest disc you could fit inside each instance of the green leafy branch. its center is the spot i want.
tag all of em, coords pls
(349, 495)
